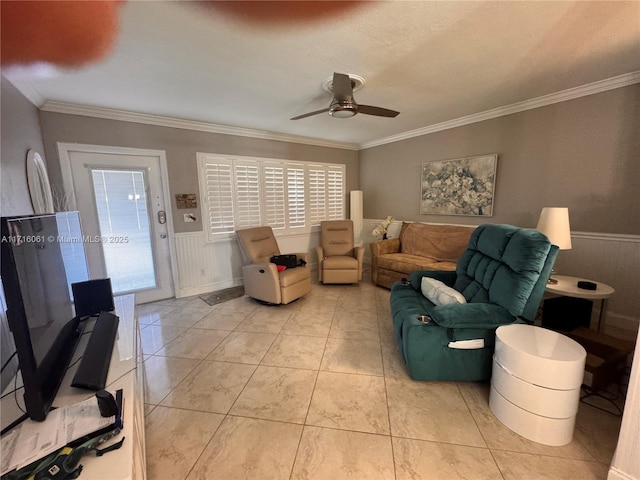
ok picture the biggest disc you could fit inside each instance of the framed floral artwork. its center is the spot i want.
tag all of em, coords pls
(462, 186)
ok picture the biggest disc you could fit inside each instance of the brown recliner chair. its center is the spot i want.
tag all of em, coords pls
(339, 261)
(262, 280)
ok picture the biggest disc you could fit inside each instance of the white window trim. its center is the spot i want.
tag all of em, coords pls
(204, 159)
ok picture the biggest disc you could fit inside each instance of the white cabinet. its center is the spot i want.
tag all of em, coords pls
(128, 462)
(535, 383)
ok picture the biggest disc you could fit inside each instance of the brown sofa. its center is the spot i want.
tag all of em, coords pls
(420, 246)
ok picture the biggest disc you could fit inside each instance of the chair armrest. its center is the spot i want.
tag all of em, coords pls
(320, 254)
(380, 248)
(385, 246)
(262, 271)
(445, 276)
(261, 281)
(358, 254)
(471, 315)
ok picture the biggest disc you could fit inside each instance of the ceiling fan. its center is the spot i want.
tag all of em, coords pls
(343, 104)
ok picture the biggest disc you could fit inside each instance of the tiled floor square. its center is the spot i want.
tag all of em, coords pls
(249, 449)
(436, 461)
(210, 387)
(353, 356)
(175, 439)
(349, 402)
(432, 411)
(222, 319)
(194, 343)
(519, 466)
(155, 337)
(163, 374)
(276, 393)
(296, 351)
(243, 347)
(305, 323)
(326, 453)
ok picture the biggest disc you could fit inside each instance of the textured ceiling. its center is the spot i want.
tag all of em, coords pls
(433, 61)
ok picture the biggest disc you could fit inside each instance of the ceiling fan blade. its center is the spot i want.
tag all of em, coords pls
(377, 111)
(342, 86)
(305, 115)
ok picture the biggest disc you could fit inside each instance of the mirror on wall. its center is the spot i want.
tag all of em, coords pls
(39, 186)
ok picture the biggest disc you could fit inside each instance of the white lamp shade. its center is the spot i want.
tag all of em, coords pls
(554, 223)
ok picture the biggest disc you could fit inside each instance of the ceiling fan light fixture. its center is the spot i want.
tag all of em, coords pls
(343, 109)
(342, 113)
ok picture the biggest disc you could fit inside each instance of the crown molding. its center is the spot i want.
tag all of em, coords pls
(158, 120)
(162, 121)
(562, 96)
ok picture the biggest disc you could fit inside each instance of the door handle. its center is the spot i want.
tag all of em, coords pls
(163, 235)
(162, 217)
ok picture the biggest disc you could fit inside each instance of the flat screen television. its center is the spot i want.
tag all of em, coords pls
(42, 255)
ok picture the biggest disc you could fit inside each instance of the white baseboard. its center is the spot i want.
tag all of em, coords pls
(615, 474)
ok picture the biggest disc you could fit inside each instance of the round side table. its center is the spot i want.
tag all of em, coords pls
(535, 382)
(568, 286)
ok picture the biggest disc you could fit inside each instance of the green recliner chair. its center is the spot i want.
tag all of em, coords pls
(500, 279)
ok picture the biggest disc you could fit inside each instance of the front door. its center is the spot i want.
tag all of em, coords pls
(120, 195)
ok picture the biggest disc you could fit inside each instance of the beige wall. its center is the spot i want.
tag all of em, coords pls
(20, 133)
(180, 147)
(583, 154)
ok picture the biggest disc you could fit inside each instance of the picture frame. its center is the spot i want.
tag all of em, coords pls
(460, 186)
(186, 200)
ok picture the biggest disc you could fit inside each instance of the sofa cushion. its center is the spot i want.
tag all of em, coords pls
(439, 293)
(438, 242)
(407, 263)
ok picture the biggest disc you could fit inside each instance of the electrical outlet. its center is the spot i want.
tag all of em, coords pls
(189, 218)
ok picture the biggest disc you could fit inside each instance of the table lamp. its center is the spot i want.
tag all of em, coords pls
(554, 223)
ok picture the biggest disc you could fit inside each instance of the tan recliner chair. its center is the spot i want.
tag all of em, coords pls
(339, 261)
(262, 280)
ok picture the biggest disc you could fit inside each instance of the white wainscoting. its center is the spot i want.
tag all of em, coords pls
(206, 267)
(608, 258)
(613, 260)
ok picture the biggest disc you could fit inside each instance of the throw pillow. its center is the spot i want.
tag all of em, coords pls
(439, 294)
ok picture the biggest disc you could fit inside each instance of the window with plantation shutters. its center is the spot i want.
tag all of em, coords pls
(244, 192)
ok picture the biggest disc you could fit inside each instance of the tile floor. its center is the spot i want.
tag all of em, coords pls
(317, 390)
